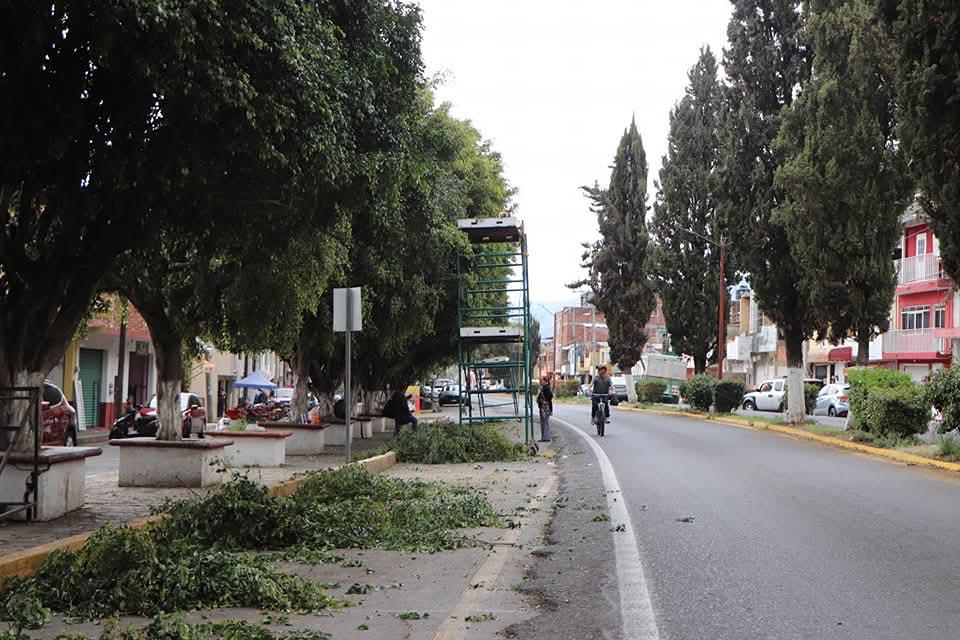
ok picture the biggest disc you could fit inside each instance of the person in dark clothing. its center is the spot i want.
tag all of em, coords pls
(340, 409)
(545, 403)
(398, 408)
(602, 385)
(261, 397)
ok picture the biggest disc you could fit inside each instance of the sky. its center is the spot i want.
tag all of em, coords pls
(553, 84)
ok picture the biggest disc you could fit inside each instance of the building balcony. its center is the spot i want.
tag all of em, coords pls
(915, 342)
(917, 269)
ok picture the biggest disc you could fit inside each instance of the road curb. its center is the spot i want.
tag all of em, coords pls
(889, 454)
(24, 563)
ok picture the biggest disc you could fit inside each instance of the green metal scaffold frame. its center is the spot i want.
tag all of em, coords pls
(498, 267)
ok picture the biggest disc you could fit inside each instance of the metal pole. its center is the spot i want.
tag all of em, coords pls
(722, 337)
(348, 437)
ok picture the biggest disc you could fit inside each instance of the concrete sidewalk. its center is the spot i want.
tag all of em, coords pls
(472, 592)
(106, 502)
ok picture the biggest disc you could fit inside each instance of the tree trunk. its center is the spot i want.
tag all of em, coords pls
(699, 363)
(631, 387)
(325, 404)
(169, 379)
(301, 387)
(796, 409)
(19, 412)
(863, 348)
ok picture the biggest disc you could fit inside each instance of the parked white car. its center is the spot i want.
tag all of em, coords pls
(769, 395)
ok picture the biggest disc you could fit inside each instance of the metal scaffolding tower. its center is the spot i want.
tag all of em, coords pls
(494, 309)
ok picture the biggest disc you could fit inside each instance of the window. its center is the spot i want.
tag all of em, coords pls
(940, 316)
(915, 318)
(922, 244)
(779, 385)
(766, 386)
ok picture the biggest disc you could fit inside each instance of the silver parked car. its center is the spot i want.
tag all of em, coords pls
(833, 400)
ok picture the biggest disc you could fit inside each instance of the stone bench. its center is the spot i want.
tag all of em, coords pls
(62, 482)
(378, 422)
(337, 428)
(256, 448)
(148, 462)
(305, 439)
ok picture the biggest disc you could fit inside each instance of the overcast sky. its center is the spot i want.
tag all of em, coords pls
(553, 83)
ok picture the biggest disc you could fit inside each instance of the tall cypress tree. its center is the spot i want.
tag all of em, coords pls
(686, 265)
(617, 262)
(765, 64)
(927, 39)
(844, 178)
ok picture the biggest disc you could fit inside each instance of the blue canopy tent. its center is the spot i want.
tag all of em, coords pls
(255, 380)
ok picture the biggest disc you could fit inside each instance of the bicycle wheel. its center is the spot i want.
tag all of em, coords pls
(601, 421)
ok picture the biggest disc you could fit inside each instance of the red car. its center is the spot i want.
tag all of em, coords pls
(59, 418)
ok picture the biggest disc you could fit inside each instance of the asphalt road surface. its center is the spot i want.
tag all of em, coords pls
(746, 535)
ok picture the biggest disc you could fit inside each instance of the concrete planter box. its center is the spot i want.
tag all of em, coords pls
(336, 433)
(147, 462)
(378, 424)
(61, 485)
(256, 448)
(305, 439)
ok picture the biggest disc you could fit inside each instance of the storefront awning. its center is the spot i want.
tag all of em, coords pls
(840, 354)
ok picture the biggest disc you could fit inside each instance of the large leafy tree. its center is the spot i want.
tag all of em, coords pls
(765, 63)
(926, 40)
(843, 178)
(118, 124)
(402, 247)
(342, 79)
(685, 222)
(617, 263)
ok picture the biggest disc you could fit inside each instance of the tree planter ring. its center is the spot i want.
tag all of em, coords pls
(147, 462)
(61, 485)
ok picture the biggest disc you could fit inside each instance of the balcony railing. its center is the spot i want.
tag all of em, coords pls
(919, 268)
(913, 341)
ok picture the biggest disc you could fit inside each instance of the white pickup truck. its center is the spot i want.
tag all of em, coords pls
(769, 395)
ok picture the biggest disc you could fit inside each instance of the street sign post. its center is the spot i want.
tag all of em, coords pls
(347, 317)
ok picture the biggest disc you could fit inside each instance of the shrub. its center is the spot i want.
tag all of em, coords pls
(567, 388)
(810, 392)
(445, 442)
(949, 449)
(700, 391)
(684, 389)
(887, 402)
(727, 395)
(863, 380)
(651, 390)
(943, 394)
(900, 411)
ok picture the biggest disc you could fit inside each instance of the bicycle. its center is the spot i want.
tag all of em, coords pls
(603, 409)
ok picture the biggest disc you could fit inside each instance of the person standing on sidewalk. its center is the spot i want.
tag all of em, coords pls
(545, 402)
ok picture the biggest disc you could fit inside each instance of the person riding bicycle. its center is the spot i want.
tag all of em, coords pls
(602, 385)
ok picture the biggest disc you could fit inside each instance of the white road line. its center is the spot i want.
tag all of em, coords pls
(636, 609)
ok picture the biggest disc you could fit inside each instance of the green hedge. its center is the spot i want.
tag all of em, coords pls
(727, 395)
(567, 388)
(700, 391)
(943, 393)
(885, 402)
(651, 390)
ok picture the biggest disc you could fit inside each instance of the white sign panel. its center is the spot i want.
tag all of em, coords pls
(347, 314)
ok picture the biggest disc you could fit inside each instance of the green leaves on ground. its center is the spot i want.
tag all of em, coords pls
(190, 559)
(445, 442)
(166, 627)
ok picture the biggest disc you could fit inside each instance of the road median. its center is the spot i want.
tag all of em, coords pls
(760, 425)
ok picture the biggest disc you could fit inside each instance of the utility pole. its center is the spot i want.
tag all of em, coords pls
(722, 338)
(118, 396)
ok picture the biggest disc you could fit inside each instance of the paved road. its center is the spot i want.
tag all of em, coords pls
(785, 539)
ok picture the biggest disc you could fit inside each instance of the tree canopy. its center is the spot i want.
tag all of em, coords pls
(686, 227)
(843, 178)
(617, 263)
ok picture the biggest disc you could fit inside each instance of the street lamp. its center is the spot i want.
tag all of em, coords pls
(721, 320)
